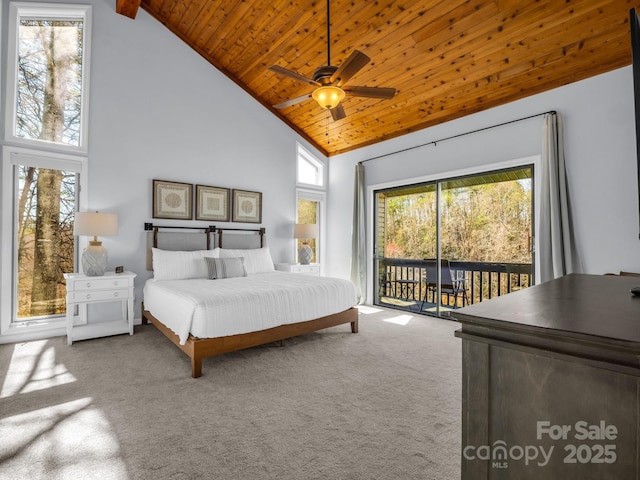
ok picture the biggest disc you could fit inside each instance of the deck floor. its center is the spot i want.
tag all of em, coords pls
(415, 306)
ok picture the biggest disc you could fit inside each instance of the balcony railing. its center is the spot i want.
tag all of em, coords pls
(403, 282)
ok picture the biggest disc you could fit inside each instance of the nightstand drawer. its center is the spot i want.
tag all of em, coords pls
(99, 295)
(100, 284)
(309, 269)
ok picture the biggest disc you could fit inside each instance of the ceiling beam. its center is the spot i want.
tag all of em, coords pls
(128, 8)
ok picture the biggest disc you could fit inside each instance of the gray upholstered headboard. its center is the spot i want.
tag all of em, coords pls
(201, 238)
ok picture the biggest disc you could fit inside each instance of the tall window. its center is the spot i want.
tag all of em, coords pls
(40, 196)
(311, 198)
(309, 213)
(48, 59)
(47, 91)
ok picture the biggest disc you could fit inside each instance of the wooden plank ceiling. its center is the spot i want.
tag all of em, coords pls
(446, 58)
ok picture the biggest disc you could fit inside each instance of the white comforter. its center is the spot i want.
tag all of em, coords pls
(217, 308)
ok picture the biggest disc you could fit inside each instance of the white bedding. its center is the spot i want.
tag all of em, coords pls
(216, 308)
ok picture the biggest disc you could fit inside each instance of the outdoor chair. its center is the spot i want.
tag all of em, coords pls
(387, 286)
(449, 286)
(406, 288)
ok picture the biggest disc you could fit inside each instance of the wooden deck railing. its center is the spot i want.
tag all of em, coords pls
(405, 279)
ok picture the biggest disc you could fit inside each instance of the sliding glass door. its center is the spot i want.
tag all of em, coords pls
(449, 243)
(406, 234)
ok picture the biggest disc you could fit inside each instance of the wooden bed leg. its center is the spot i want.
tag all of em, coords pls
(144, 318)
(196, 367)
(354, 326)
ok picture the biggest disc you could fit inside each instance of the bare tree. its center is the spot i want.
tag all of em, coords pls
(48, 109)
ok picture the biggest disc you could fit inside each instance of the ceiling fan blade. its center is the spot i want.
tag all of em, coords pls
(338, 112)
(372, 92)
(292, 74)
(293, 101)
(349, 68)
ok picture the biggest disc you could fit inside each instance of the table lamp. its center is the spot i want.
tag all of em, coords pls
(305, 231)
(94, 257)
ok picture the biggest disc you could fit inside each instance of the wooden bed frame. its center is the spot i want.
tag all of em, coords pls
(200, 348)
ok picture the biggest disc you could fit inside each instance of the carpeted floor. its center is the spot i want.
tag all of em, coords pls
(380, 404)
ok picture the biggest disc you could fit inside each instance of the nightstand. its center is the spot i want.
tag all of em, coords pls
(310, 269)
(111, 287)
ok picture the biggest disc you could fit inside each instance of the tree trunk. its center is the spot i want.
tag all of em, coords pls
(47, 273)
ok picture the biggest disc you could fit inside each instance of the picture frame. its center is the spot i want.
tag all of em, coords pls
(212, 203)
(247, 206)
(172, 200)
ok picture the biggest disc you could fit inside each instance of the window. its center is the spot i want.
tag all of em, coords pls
(39, 197)
(310, 169)
(310, 204)
(310, 210)
(48, 62)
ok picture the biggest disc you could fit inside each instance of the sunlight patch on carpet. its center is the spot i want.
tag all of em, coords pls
(368, 310)
(399, 319)
(33, 367)
(70, 440)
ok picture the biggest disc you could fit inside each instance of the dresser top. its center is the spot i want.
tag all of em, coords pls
(586, 305)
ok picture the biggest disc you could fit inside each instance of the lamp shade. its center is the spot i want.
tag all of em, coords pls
(328, 96)
(95, 224)
(305, 230)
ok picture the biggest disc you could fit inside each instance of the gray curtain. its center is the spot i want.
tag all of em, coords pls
(558, 255)
(358, 246)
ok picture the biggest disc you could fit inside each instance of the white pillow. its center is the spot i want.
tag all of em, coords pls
(256, 260)
(180, 265)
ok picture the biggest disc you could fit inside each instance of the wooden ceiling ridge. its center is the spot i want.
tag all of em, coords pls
(128, 8)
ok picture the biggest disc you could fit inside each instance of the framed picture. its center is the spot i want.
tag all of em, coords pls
(212, 203)
(172, 200)
(247, 206)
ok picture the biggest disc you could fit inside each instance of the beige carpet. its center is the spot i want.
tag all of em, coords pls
(380, 404)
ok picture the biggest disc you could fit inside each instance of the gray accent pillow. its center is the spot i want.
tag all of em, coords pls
(225, 267)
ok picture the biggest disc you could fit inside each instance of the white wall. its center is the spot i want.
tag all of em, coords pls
(600, 154)
(158, 110)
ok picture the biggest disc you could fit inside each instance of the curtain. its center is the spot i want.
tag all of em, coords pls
(558, 254)
(358, 253)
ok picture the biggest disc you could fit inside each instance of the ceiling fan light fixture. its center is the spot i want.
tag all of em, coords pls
(328, 96)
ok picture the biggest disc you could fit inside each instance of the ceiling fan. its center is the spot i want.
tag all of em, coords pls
(330, 81)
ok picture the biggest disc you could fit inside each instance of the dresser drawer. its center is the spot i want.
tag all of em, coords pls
(100, 284)
(99, 295)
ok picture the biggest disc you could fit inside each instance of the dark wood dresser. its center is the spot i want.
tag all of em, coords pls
(550, 382)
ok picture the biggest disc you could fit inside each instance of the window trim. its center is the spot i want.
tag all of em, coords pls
(11, 156)
(302, 152)
(39, 10)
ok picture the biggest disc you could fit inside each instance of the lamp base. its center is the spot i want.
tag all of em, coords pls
(305, 254)
(94, 260)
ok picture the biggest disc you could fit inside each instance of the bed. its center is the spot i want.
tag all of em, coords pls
(215, 291)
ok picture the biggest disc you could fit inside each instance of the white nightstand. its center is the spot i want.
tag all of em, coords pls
(311, 269)
(83, 290)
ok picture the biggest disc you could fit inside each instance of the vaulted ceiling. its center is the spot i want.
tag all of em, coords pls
(446, 58)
